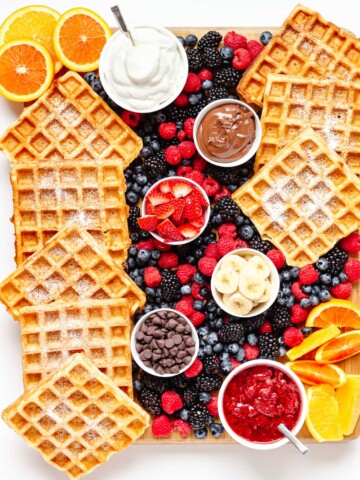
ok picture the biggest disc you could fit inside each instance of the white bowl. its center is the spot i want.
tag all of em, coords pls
(303, 407)
(255, 145)
(105, 59)
(136, 356)
(274, 281)
(207, 211)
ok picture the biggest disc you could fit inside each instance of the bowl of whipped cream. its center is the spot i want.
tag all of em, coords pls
(145, 76)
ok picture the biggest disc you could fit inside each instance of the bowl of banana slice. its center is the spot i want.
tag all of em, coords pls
(245, 283)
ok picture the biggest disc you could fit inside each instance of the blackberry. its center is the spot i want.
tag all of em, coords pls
(257, 243)
(190, 396)
(207, 383)
(225, 176)
(174, 113)
(227, 208)
(269, 347)
(216, 93)
(336, 258)
(199, 416)
(180, 382)
(156, 166)
(170, 286)
(210, 39)
(151, 401)
(231, 332)
(279, 316)
(195, 59)
(210, 364)
(194, 110)
(227, 77)
(134, 214)
(156, 384)
(211, 57)
(254, 323)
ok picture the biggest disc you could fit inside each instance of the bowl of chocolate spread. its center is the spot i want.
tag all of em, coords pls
(227, 132)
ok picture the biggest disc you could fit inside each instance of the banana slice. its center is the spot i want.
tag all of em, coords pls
(238, 304)
(266, 295)
(226, 280)
(260, 266)
(251, 285)
(234, 262)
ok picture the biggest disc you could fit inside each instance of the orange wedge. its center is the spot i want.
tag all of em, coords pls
(348, 398)
(313, 341)
(336, 312)
(26, 70)
(313, 373)
(79, 37)
(323, 419)
(344, 346)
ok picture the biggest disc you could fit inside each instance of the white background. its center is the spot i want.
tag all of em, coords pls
(160, 462)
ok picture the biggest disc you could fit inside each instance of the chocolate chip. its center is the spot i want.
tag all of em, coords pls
(151, 330)
(158, 334)
(174, 351)
(157, 322)
(181, 354)
(171, 334)
(180, 329)
(143, 327)
(172, 324)
(147, 354)
(162, 315)
(139, 336)
(161, 343)
(153, 344)
(147, 338)
(166, 352)
(187, 329)
(177, 339)
(170, 362)
(189, 341)
(139, 347)
(191, 350)
(172, 315)
(187, 360)
(156, 357)
(147, 363)
(175, 369)
(170, 342)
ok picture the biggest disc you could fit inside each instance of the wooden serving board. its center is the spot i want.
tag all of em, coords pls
(351, 365)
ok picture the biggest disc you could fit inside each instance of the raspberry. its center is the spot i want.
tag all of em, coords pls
(167, 131)
(205, 74)
(192, 84)
(172, 155)
(276, 257)
(225, 245)
(146, 245)
(161, 426)
(297, 292)
(199, 163)
(152, 277)
(254, 48)
(298, 314)
(212, 406)
(170, 402)
(292, 337)
(131, 118)
(212, 251)
(343, 290)
(242, 59)
(224, 192)
(234, 363)
(195, 369)
(189, 127)
(185, 307)
(308, 275)
(163, 247)
(235, 40)
(168, 260)
(187, 149)
(227, 230)
(195, 291)
(207, 265)
(241, 243)
(197, 318)
(266, 327)
(352, 269)
(196, 176)
(183, 170)
(211, 187)
(251, 351)
(351, 243)
(182, 100)
(181, 135)
(185, 273)
(182, 427)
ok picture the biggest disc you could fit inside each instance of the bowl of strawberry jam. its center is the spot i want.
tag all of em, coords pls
(256, 397)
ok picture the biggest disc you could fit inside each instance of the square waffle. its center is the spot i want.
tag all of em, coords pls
(48, 196)
(76, 418)
(72, 266)
(331, 108)
(70, 121)
(306, 46)
(99, 328)
(304, 200)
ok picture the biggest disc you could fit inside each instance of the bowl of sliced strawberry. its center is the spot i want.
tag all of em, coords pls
(175, 210)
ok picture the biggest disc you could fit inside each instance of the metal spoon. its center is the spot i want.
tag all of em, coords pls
(120, 19)
(295, 441)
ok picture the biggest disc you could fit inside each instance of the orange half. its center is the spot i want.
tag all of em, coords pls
(313, 373)
(336, 312)
(344, 346)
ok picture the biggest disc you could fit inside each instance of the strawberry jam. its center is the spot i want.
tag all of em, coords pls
(257, 400)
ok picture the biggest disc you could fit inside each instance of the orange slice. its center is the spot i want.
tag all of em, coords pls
(323, 418)
(313, 373)
(26, 70)
(35, 22)
(348, 398)
(344, 346)
(79, 37)
(336, 312)
(313, 341)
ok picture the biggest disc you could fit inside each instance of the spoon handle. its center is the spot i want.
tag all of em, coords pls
(120, 19)
(295, 441)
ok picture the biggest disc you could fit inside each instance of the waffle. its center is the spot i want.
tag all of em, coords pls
(304, 200)
(306, 46)
(72, 266)
(99, 328)
(76, 417)
(47, 197)
(70, 121)
(331, 108)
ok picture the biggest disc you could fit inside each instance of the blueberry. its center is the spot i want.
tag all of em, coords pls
(148, 128)
(204, 397)
(143, 256)
(137, 385)
(216, 429)
(314, 300)
(335, 281)
(145, 235)
(89, 77)
(136, 188)
(191, 40)
(219, 323)
(281, 341)
(343, 277)
(286, 291)
(181, 40)
(289, 302)
(325, 278)
(198, 305)
(322, 264)
(224, 357)
(285, 276)
(239, 220)
(159, 117)
(144, 190)
(131, 198)
(246, 232)
(226, 53)
(96, 85)
(207, 84)
(202, 331)
(265, 37)
(155, 254)
(294, 273)
(315, 289)
(226, 367)
(306, 288)
(234, 348)
(218, 348)
(306, 331)
(324, 295)
(201, 353)
(132, 251)
(212, 338)
(184, 414)
(204, 291)
(207, 350)
(281, 301)
(185, 290)
(150, 292)
(199, 278)
(147, 308)
(240, 355)
(195, 98)
(131, 263)
(282, 351)
(252, 338)
(135, 237)
(210, 306)
(171, 173)
(201, 433)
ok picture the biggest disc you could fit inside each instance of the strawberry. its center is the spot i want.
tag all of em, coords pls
(199, 222)
(179, 204)
(200, 198)
(192, 208)
(148, 222)
(180, 188)
(165, 186)
(158, 198)
(169, 232)
(149, 208)
(164, 210)
(188, 230)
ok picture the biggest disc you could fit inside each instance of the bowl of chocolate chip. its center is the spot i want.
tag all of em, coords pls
(227, 132)
(164, 342)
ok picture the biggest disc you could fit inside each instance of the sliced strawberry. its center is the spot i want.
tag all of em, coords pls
(149, 208)
(168, 231)
(179, 208)
(180, 189)
(158, 198)
(148, 222)
(165, 186)
(192, 209)
(164, 210)
(200, 198)
(188, 230)
(199, 222)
